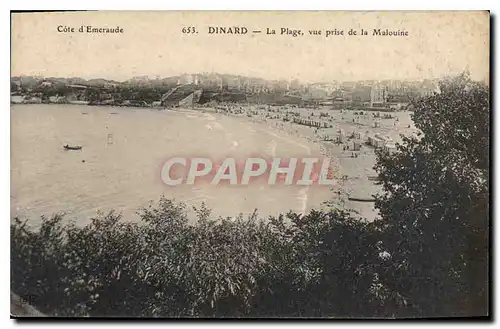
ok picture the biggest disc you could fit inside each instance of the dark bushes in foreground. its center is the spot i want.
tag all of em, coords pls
(322, 264)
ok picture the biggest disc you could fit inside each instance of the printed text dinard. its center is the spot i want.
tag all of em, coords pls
(295, 32)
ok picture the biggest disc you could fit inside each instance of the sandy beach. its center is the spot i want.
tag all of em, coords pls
(353, 169)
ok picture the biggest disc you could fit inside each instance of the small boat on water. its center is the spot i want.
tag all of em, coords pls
(74, 148)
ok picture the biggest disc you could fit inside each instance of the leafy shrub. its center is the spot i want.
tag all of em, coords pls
(314, 265)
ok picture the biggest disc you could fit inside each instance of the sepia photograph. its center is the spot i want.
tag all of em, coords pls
(250, 164)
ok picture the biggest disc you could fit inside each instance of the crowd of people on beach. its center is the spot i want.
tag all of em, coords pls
(331, 137)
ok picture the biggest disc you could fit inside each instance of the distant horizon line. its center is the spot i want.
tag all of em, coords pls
(162, 77)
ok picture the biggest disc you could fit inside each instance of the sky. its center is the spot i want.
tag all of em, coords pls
(152, 44)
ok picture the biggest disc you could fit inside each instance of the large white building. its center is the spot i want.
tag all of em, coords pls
(378, 95)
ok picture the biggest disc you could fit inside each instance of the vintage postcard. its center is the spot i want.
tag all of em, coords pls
(265, 164)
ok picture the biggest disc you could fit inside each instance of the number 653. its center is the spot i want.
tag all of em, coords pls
(189, 29)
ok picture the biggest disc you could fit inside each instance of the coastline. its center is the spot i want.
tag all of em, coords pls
(352, 174)
(354, 167)
(352, 194)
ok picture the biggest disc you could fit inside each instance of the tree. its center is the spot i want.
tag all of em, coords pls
(13, 86)
(435, 212)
